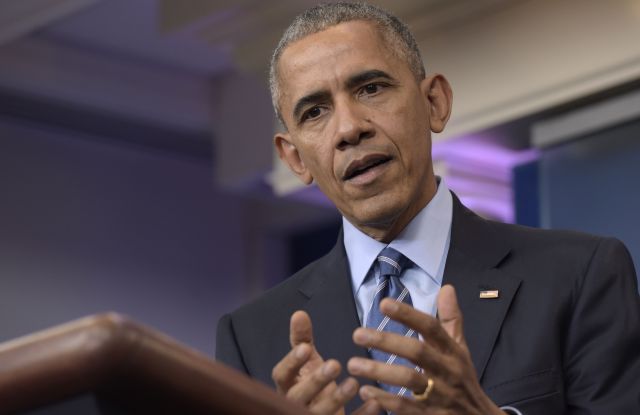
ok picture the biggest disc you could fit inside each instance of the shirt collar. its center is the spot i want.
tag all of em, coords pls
(423, 241)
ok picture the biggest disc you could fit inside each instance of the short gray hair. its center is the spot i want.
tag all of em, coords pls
(323, 16)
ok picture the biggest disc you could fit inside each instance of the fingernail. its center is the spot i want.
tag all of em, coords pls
(365, 393)
(390, 306)
(328, 369)
(348, 387)
(356, 366)
(301, 352)
(361, 336)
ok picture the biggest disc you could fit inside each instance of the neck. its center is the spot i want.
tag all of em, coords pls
(386, 231)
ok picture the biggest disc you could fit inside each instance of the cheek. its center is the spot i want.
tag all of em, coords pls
(404, 118)
(318, 161)
(413, 146)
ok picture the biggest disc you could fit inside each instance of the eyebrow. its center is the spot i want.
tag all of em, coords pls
(366, 76)
(324, 95)
(312, 98)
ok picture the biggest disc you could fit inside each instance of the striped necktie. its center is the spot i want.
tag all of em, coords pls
(390, 264)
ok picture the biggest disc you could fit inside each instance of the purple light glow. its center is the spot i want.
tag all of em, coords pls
(481, 173)
(478, 156)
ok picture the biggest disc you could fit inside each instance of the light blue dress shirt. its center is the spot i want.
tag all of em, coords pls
(425, 241)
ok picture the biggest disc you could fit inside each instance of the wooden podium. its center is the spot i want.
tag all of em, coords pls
(108, 364)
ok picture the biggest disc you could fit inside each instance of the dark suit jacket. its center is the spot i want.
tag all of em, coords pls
(563, 336)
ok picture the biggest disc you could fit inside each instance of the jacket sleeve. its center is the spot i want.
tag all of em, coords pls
(227, 349)
(602, 354)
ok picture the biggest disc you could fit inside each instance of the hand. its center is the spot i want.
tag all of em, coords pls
(303, 376)
(443, 355)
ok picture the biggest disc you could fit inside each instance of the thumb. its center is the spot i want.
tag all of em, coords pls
(449, 313)
(300, 329)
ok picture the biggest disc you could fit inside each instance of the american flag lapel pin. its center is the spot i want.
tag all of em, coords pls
(486, 294)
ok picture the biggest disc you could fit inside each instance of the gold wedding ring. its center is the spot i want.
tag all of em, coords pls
(421, 397)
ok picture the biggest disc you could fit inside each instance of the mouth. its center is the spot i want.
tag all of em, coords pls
(359, 167)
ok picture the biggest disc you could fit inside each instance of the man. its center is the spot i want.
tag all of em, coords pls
(551, 319)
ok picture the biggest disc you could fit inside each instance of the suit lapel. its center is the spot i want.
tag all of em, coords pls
(475, 254)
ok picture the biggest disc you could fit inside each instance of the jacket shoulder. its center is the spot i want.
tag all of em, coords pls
(561, 253)
(283, 297)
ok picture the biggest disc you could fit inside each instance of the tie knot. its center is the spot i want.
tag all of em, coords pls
(391, 262)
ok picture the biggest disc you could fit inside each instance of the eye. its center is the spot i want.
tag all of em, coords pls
(311, 113)
(371, 89)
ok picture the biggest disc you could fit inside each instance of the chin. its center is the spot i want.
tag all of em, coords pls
(377, 213)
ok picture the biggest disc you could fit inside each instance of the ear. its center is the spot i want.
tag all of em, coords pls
(439, 95)
(289, 154)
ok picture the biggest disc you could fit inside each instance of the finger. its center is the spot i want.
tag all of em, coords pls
(300, 328)
(411, 349)
(284, 373)
(370, 407)
(392, 402)
(336, 400)
(311, 386)
(449, 313)
(428, 326)
(442, 396)
(301, 332)
(399, 375)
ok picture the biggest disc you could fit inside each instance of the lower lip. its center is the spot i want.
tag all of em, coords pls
(370, 175)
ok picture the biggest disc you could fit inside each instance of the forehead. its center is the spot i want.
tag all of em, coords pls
(328, 57)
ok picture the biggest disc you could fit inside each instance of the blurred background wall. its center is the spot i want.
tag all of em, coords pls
(137, 171)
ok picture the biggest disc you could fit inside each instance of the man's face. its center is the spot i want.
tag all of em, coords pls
(358, 125)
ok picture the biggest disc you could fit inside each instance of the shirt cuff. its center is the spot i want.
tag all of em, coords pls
(510, 410)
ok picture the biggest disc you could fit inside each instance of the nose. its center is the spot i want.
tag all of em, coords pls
(352, 124)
